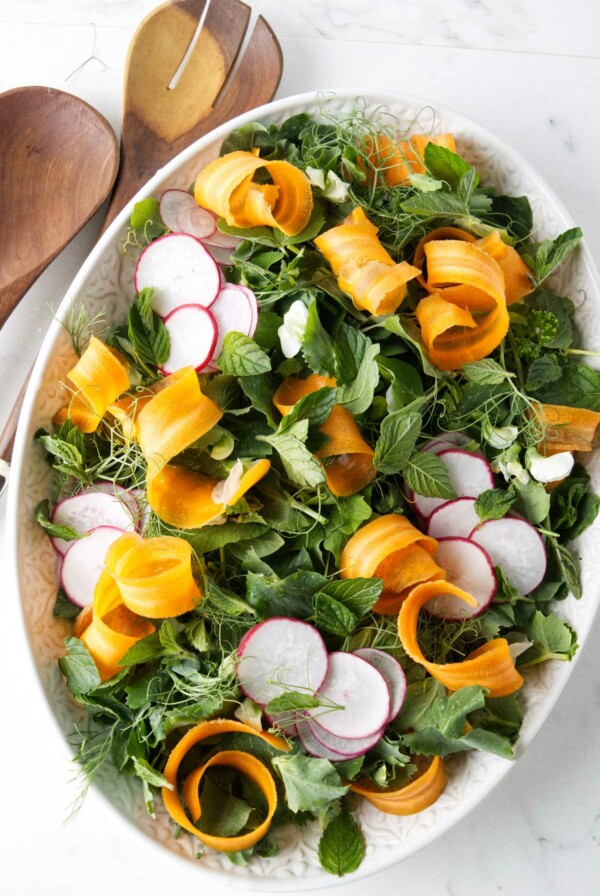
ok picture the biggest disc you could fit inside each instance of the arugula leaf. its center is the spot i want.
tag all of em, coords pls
(342, 845)
(79, 668)
(550, 253)
(444, 164)
(552, 640)
(332, 616)
(148, 336)
(578, 387)
(290, 596)
(427, 475)
(241, 356)
(42, 518)
(292, 701)
(397, 440)
(64, 608)
(357, 396)
(299, 464)
(317, 344)
(211, 538)
(310, 784)
(493, 504)
(486, 372)
(502, 715)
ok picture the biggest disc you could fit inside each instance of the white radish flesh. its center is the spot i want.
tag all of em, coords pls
(181, 272)
(361, 694)
(221, 240)
(468, 566)
(253, 307)
(470, 475)
(181, 214)
(90, 509)
(83, 563)
(193, 334)
(447, 440)
(314, 747)
(517, 548)
(393, 673)
(280, 655)
(232, 311)
(452, 519)
(348, 747)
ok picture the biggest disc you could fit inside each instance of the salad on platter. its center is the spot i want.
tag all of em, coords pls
(314, 498)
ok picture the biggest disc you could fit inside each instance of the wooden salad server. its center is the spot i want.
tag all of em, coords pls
(181, 81)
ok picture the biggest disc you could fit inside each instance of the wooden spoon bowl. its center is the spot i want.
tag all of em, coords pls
(59, 162)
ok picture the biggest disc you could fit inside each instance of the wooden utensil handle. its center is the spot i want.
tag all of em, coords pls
(7, 438)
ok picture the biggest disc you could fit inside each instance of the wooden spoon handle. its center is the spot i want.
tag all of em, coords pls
(7, 438)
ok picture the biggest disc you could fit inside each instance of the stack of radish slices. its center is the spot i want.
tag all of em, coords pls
(467, 549)
(359, 693)
(100, 515)
(191, 296)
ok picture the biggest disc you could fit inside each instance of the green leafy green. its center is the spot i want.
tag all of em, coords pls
(299, 464)
(578, 387)
(148, 337)
(342, 845)
(552, 639)
(397, 440)
(427, 475)
(54, 530)
(310, 784)
(78, 667)
(550, 253)
(317, 344)
(242, 356)
(493, 504)
(357, 396)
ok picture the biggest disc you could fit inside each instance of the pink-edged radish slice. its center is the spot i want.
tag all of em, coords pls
(470, 475)
(447, 440)
(361, 694)
(130, 497)
(281, 654)
(221, 256)
(193, 333)
(393, 673)
(232, 311)
(315, 748)
(253, 306)
(181, 214)
(469, 567)
(181, 272)
(83, 563)
(89, 509)
(285, 721)
(517, 548)
(348, 747)
(221, 240)
(453, 519)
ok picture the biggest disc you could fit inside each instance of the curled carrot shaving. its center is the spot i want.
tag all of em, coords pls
(226, 187)
(399, 159)
(365, 270)
(350, 459)
(417, 795)
(452, 335)
(566, 429)
(177, 415)
(153, 575)
(187, 811)
(113, 628)
(490, 666)
(126, 409)
(390, 548)
(439, 233)
(100, 376)
(517, 276)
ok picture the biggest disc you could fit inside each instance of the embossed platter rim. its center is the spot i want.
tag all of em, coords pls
(103, 277)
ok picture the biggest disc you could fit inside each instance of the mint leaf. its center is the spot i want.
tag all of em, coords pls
(350, 346)
(260, 389)
(493, 504)
(569, 568)
(314, 407)
(317, 344)
(433, 205)
(42, 518)
(147, 773)
(512, 213)
(292, 701)
(332, 616)
(550, 253)
(578, 387)
(266, 334)
(398, 437)
(345, 519)
(65, 608)
(222, 600)
(533, 500)
(211, 538)
(357, 396)
(144, 651)
(427, 475)
(444, 164)
(358, 595)
(310, 784)
(486, 372)
(241, 356)
(543, 371)
(406, 385)
(342, 845)
(78, 667)
(299, 464)
(149, 341)
(290, 596)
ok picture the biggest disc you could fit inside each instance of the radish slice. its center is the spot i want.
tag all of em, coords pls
(130, 497)
(361, 693)
(393, 673)
(221, 256)
(180, 271)
(221, 240)
(446, 440)
(90, 509)
(193, 333)
(181, 214)
(233, 310)
(253, 307)
(285, 721)
(454, 518)
(517, 548)
(315, 748)
(83, 563)
(469, 567)
(470, 475)
(279, 655)
(347, 747)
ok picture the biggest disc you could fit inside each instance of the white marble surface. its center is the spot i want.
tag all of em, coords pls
(526, 69)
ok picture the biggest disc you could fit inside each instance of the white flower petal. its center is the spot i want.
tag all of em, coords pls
(502, 436)
(316, 177)
(226, 488)
(292, 331)
(336, 190)
(249, 713)
(549, 469)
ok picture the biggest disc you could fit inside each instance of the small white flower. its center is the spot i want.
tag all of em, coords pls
(519, 645)
(292, 331)
(224, 490)
(499, 436)
(510, 466)
(550, 469)
(331, 186)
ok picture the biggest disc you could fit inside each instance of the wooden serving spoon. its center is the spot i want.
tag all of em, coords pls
(180, 83)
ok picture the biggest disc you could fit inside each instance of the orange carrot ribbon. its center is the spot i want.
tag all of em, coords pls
(226, 187)
(99, 376)
(390, 548)
(399, 159)
(350, 459)
(364, 269)
(490, 666)
(187, 811)
(417, 795)
(565, 428)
